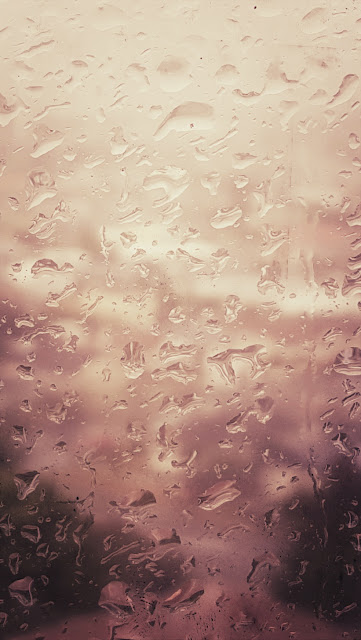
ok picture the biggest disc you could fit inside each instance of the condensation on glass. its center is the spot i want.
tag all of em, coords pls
(181, 320)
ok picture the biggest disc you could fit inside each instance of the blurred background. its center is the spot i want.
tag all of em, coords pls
(180, 326)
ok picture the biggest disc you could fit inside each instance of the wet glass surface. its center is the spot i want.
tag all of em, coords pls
(180, 327)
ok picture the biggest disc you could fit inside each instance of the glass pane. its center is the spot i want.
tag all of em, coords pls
(180, 324)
